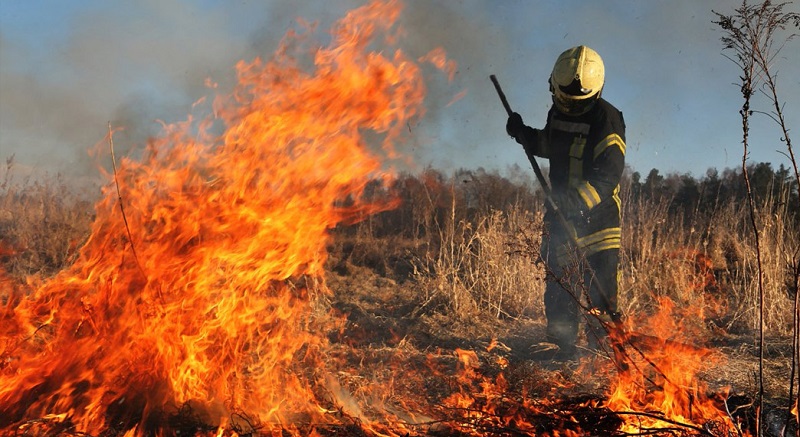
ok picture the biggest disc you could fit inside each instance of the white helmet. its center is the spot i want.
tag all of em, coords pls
(577, 80)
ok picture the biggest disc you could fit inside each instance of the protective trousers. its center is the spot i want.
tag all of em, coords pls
(573, 278)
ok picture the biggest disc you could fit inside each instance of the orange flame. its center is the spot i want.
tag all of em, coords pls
(662, 388)
(667, 379)
(208, 303)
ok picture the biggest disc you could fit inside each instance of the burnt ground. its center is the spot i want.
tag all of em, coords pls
(412, 353)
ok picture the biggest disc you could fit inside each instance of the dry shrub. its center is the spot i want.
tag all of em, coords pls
(387, 255)
(663, 260)
(732, 245)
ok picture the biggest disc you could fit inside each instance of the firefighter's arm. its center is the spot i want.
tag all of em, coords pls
(608, 162)
(532, 140)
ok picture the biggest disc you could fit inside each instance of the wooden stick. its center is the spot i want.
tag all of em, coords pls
(122, 206)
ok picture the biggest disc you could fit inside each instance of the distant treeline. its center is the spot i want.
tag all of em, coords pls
(42, 224)
(433, 197)
(693, 197)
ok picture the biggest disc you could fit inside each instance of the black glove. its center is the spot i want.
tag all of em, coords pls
(514, 126)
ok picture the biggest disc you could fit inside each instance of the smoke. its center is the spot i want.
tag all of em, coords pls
(67, 71)
(131, 66)
(472, 42)
(137, 64)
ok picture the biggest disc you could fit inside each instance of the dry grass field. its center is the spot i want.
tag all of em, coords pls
(450, 281)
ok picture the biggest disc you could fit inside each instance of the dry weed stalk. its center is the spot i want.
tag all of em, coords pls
(753, 33)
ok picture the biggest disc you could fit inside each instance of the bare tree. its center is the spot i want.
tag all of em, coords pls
(755, 35)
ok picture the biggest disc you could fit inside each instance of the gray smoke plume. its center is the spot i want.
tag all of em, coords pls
(63, 78)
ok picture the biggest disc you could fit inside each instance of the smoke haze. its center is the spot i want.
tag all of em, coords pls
(68, 68)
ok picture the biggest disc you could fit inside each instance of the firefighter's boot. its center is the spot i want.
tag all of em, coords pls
(599, 323)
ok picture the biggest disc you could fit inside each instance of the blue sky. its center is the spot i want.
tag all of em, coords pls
(69, 67)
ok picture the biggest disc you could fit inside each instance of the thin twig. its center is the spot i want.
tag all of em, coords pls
(22, 341)
(793, 396)
(730, 416)
(747, 89)
(660, 418)
(121, 203)
(764, 56)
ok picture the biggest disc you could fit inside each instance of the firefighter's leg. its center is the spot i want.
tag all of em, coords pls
(561, 307)
(561, 310)
(602, 278)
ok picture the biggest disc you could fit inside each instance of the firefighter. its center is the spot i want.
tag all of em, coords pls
(584, 142)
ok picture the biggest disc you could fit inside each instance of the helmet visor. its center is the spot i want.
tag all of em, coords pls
(570, 105)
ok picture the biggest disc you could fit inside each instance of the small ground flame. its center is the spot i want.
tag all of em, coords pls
(663, 374)
(657, 389)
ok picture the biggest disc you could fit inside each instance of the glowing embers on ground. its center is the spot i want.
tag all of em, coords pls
(208, 302)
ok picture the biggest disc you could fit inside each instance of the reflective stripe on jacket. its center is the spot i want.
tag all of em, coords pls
(586, 154)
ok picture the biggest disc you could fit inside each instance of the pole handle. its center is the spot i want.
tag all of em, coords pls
(501, 94)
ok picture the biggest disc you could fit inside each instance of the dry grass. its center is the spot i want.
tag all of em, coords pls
(439, 274)
(478, 268)
(710, 264)
(467, 262)
(43, 223)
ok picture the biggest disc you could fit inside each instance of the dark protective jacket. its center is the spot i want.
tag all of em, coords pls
(587, 157)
